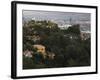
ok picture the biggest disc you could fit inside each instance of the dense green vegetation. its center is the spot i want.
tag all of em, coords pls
(69, 49)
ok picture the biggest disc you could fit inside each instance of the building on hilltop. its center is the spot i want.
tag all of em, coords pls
(85, 35)
(64, 26)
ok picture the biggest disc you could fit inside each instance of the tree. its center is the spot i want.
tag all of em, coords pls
(74, 29)
(66, 44)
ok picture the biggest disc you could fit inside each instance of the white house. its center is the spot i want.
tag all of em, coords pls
(64, 26)
(27, 53)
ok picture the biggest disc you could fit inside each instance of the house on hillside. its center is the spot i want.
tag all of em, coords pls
(85, 35)
(64, 26)
(40, 49)
(27, 53)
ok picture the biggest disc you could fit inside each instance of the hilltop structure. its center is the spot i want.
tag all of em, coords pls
(85, 35)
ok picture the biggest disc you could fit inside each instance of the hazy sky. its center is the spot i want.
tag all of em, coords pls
(51, 15)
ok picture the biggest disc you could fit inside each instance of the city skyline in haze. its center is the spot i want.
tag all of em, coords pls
(61, 18)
